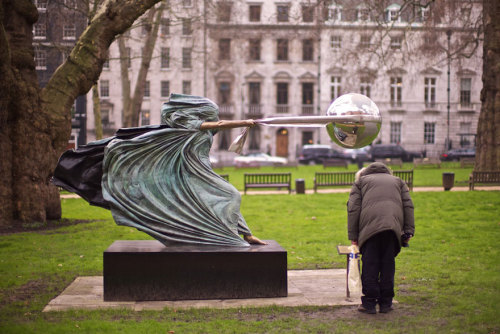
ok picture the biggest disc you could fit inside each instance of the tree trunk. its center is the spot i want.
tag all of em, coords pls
(35, 125)
(124, 60)
(488, 129)
(97, 112)
(133, 110)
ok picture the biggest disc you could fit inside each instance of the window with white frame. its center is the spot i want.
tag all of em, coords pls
(335, 13)
(41, 5)
(165, 88)
(365, 41)
(365, 86)
(396, 42)
(465, 92)
(335, 87)
(396, 91)
(336, 42)
(392, 13)
(105, 65)
(424, 14)
(186, 57)
(39, 31)
(362, 14)
(69, 32)
(165, 57)
(429, 132)
(147, 89)
(104, 88)
(395, 137)
(430, 92)
(186, 87)
(145, 117)
(40, 59)
(282, 97)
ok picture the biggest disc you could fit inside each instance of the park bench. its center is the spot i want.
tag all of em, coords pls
(293, 164)
(490, 177)
(467, 162)
(268, 180)
(331, 179)
(335, 163)
(427, 162)
(391, 162)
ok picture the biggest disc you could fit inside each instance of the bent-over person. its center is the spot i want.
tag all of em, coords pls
(380, 220)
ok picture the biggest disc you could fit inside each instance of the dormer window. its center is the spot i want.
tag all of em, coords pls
(392, 13)
(362, 14)
(335, 13)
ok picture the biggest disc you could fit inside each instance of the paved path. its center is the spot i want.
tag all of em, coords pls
(325, 287)
(343, 190)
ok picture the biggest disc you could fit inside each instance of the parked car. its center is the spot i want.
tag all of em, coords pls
(383, 151)
(316, 154)
(357, 155)
(258, 159)
(457, 153)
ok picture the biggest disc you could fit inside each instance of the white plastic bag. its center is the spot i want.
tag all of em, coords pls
(354, 278)
(239, 142)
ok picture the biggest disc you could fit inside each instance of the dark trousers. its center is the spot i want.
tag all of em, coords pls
(378, 268)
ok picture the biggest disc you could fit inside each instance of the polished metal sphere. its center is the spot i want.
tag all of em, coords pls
(359, 121)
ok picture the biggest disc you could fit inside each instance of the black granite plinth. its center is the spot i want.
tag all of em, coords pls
(147, 270)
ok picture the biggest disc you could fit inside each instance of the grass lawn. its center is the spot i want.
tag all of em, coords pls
(447, 281)
(423, 176)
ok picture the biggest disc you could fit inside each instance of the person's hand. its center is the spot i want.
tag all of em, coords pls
(253, 240)
(354, 242)
(250, 123)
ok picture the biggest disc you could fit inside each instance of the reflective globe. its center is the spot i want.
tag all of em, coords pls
(351, 131)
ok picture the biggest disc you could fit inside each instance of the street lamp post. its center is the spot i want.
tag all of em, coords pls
(447, 145)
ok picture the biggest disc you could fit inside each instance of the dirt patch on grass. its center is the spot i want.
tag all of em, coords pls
(26, 291)
(46, 226)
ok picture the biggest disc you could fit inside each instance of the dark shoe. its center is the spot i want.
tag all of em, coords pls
(362, 309)
(386, 309)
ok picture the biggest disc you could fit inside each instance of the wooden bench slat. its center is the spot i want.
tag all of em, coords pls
(485, 177)
(267, 180)
(347, 178)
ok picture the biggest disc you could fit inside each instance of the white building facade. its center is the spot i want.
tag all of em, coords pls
(265, 59)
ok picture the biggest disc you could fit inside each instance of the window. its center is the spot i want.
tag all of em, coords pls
(104, 88)
(128, 56)
(39, 30)
(396, 91)
(307, 98)
(307, 137)
(424, 14)
(365, 86)
(465, 92)
(145, 117)
(105, 117)
(363, 14)
(165, 89)
(41, 5)
(254, 94)
(396, 42)
(224, 49)
(430, 92)
(365, 41)
(186, 87)
(224, 140)
(186, 57)
(165, 57)
(40, 59)
(335, 87)
(187, 3)
(335, 13)
(429, 130)
(282, 13)
(307, 13)
(336, 42)
(165, 27)
(224, 95)
(224, 11)
(147, 91)
(395, 133)
(282, 97)
(254, 49)
(392, 13)
(186, 27)
(254, 13)
(69, 31)
(307, 50)
(282, 49)
(254, 140)
(105, 65)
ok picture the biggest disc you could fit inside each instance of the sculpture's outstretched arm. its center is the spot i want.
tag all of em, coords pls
(224, 124)
(251, 239)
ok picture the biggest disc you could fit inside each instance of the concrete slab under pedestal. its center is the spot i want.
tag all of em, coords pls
(305, 288)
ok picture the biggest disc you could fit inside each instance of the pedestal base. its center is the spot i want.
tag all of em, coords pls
(147, 270)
